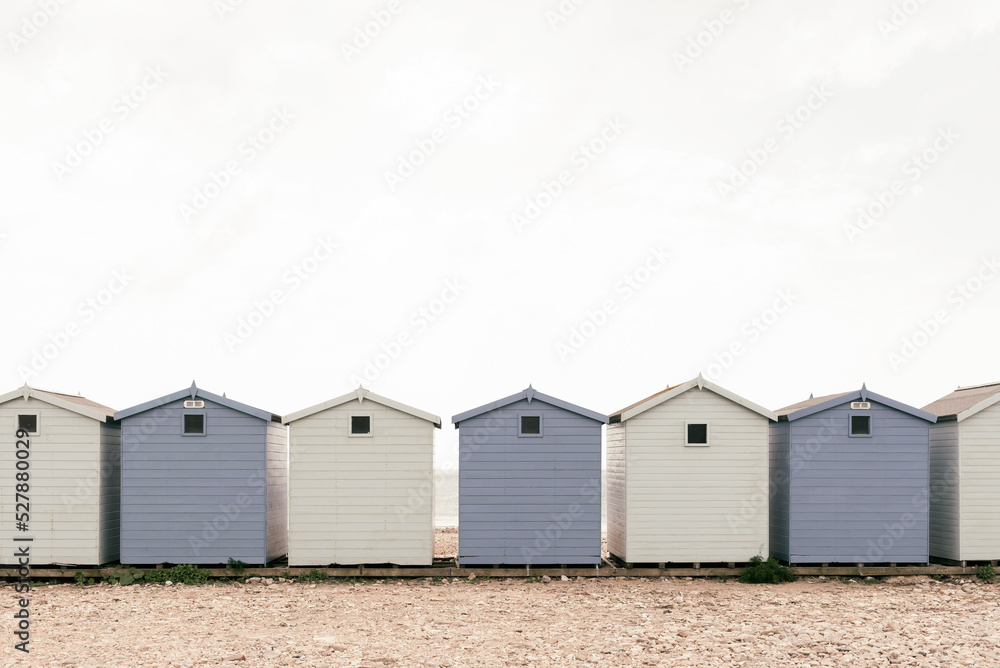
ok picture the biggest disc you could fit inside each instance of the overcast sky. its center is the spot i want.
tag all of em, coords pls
(451, 200)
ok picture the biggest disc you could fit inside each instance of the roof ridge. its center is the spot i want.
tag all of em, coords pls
(977, 387)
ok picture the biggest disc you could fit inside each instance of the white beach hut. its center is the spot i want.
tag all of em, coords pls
(361, 482)
(73, 477)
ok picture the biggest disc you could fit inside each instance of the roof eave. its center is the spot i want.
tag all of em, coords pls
(534, 394)
(864, 395)
(193, 392)
(362, 396)
(981, 406)
(30, 392)
(701, 383)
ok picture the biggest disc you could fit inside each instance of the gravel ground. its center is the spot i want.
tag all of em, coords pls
(445, 543)
(611, 622)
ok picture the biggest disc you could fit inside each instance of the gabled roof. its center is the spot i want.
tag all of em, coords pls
(70, 402)
(360, 395)
(191, 393)
(671, 392)
(965, 401)
(529, 394)
(815, 405)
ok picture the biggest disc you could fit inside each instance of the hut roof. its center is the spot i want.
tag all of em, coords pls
(816, 404)
(676, 390)
(529, 394)
(965, 401)
(70, 402)
(193, 392)
(361, 394)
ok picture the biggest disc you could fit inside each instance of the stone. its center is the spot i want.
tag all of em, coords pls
(546, 579)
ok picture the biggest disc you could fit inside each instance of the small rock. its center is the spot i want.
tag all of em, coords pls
(546, 579)
(168, 583)
(564, 578)
(472, 577)
(338, 648)
(234, 657)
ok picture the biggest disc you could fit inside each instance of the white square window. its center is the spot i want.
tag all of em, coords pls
(361, 425)
(696, 433)
(29, 422)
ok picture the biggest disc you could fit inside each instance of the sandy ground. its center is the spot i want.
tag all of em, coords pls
(607, 622)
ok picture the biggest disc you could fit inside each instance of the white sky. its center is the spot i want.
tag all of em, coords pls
(677, 129)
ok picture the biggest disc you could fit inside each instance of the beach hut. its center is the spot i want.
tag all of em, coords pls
(361, 483)
(687, 477)
(850, 480)
(71, 464)
(529, 482)
(204, 480)
(965, 474)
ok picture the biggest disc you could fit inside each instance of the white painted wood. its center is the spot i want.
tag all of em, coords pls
(361, 500)
(73, 481)
(615, 488)
(979, 439)
(277, 490)
(680, 503)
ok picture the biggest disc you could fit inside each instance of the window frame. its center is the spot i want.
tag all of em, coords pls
(204, 423)
(850, 424)
(350, 424)
(687, 434)
(38, 421)
(541, 424)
